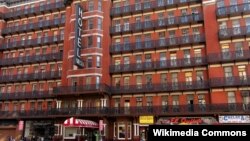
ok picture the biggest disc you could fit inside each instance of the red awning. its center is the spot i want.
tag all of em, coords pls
(73, 122)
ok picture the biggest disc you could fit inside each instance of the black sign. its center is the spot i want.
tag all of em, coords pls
(78, 38)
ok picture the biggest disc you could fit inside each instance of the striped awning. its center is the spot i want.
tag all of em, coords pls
(73, 122)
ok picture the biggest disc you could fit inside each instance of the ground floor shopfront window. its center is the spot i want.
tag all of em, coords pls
(122, 130)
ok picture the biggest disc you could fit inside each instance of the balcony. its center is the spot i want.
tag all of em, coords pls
(33, 26)
(229, 56)
(32, 42)
(30, 77)
(157, 44)
(163, 87)
(26, 95)
(235, 32)
(169, 110)
(31, 59)
(155, 24)
(33, 11)
(85, 89)
(234, 81)
(233, 10)
(158, 65)
(149, 6)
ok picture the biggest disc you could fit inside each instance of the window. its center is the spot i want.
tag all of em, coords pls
(161, 21)
(138, 61)
(231, 97)
(149, 101)
(98, 81)
(172, 40)
(199, 77)
(117, 82)
(187, 57)
(138, 81)
(164, 81)
(137, 5)
(229, 79)
(117, 63)
(6, 107)
(138, 42)
(228, 72)
(173, 61)
(239, 50)
(188, 77)
(162, 39)
(223, 29)
(225, 52)
(62, 34)
(197, 55)
(147, 21)
(236, 27)
(89, 62)
(126, 82)
(90, 41)
(99, 23)
(174, 78)
(91, 5)
(126, 62)
(98, 61)
(39, 106)
(138, 23)
(242, 74)
(99, 5)
(90, 23)
(233, 6)
(99, 44)
(164, 101)
(139, 102)
(126, 24)
(149, 81)
(121, 131)
(148, 60)
(175, 103)
(88, 80)
(163, 59)
(55, 33)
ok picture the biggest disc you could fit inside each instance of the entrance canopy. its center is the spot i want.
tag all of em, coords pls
(73, 122)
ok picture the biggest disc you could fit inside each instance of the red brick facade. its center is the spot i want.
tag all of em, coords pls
(159, 58)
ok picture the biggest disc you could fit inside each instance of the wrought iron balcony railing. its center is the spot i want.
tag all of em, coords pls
(170, 110)
(30, 77)
(33, 11)
(83, 89)
(162, 87)
(31, 59)
(26, 95)
(233, 81)
(233, 10)
(149, 6)
(159, 65)
(32, 42)
(33, 26)
(157, 44)
(235, 32)
(229, 56)
(155, 24)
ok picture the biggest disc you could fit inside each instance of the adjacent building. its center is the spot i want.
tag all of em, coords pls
(117, 66)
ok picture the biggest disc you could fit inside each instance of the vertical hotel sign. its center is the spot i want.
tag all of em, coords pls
(78, 38)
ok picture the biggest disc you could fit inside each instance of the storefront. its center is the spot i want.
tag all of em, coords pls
(144, 121)
(234, 119)
(187, 121)
(73, 128)
(39, 129)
